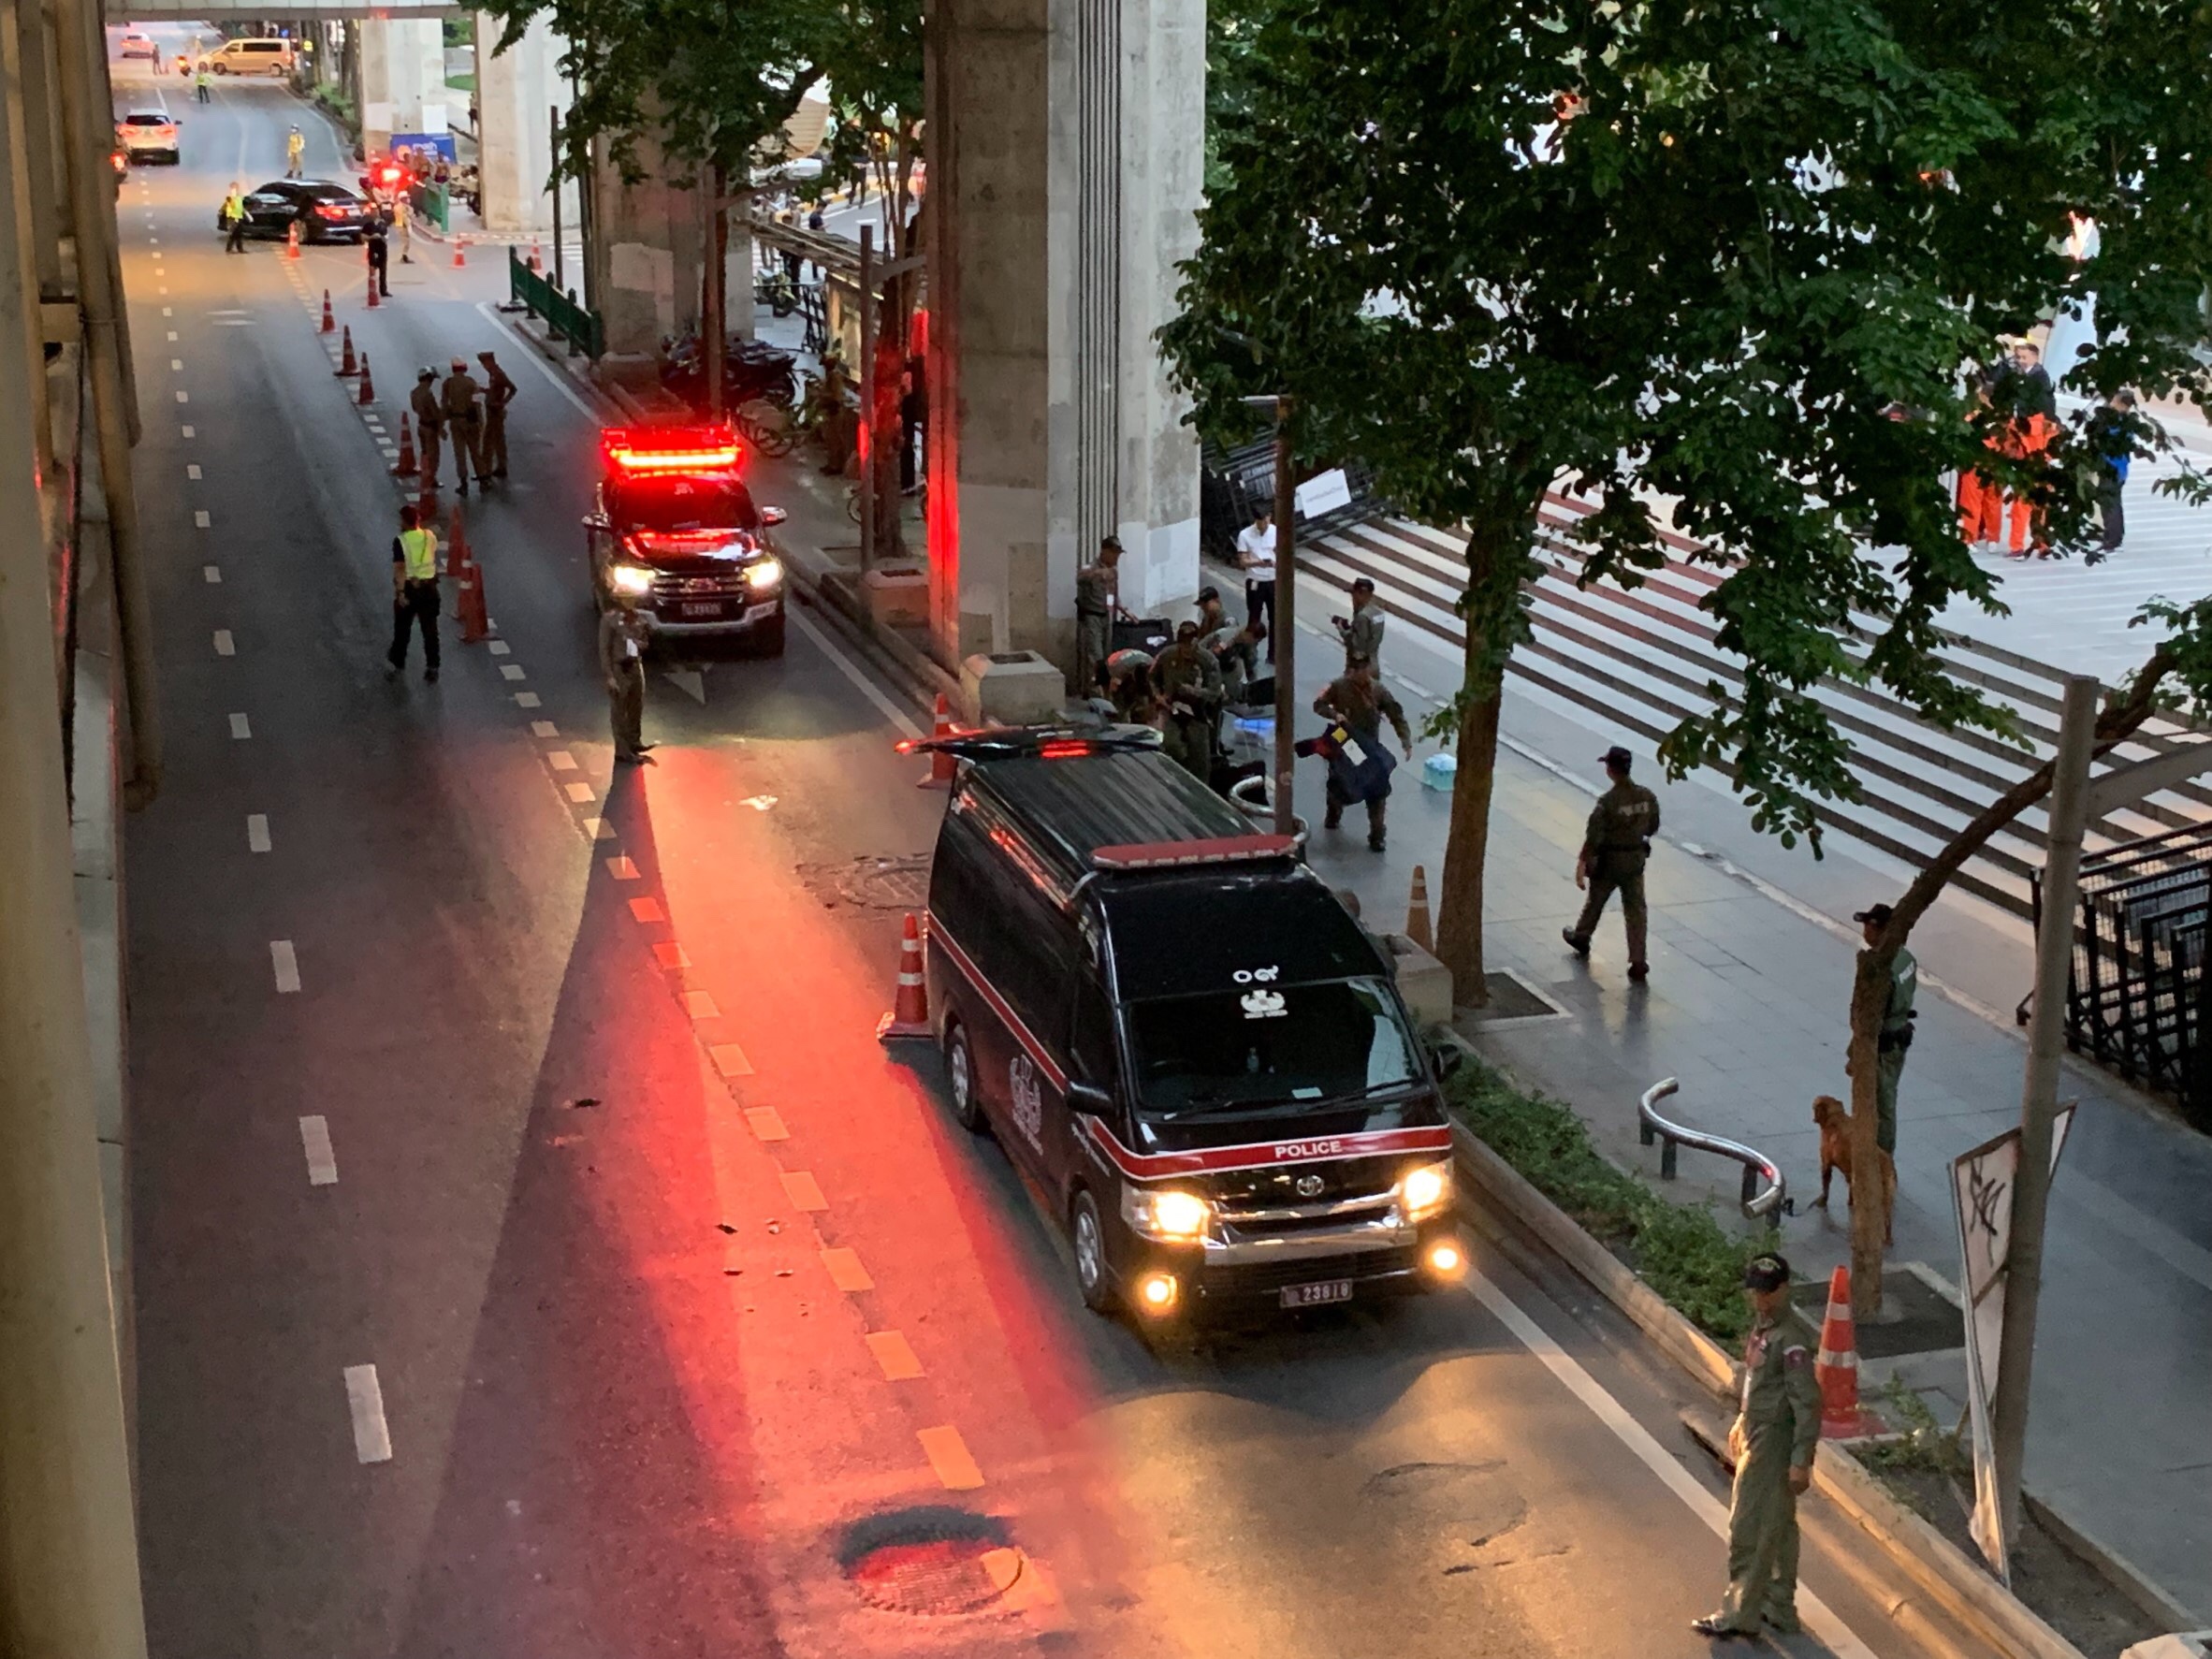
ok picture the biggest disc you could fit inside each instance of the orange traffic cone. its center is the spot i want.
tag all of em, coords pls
(368, 386)
(406, 466)
(1417, 912)
(537, 260)
(457, 543)
(941, 766)
(374, 301)
(1836, 1367)
(460, 252)
(346, 362)
(330, 322)
(292, 240)
(475, 624)
(909, 1009)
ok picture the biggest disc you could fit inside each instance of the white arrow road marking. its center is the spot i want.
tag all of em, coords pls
(691, 681)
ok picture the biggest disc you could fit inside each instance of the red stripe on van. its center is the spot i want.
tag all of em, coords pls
(998, 1005)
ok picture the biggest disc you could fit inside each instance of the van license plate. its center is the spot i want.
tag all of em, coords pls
(703, 607)
(1314, 1295)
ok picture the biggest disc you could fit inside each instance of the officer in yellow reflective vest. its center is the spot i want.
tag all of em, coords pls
(414, 593)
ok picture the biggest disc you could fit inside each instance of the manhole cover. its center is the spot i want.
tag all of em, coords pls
(934, 1561)
(874, 883)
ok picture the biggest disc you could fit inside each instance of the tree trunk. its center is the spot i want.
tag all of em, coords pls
(883, 419)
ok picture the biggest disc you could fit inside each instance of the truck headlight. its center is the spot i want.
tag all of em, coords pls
(763, 574)
(1168, 1214)
(631, 578)
(1425, 1192)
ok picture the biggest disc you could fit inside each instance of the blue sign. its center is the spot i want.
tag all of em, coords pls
(441, 143)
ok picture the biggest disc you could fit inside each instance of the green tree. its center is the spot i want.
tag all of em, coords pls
(1723, 267)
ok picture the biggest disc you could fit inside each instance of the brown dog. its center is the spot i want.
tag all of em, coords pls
(1835, 1157)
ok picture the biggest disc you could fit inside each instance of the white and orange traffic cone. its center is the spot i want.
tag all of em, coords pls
(330, 322)
(457, 544)
(347, 363)
(537, 260)
(460, 252)
(909, 1009)
(292, 240)
(941, 766)
(1836, 1367)
(368, 386)
(406, 466)
(374, 301)
(1417, 912)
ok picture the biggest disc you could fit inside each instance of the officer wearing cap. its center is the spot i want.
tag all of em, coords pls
(1616, 845)
(1777, 1431)
(1211, 618)
(1361, 632)
(1188, 682)
(459, 401)
(429, 421)
(1896, 1035)
(1097, 601)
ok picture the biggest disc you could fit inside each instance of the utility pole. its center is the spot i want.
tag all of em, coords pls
(867, 397)
(718, 253)
(69, 1549)
(560, 262)
(2038, 1094)
(1284, 639)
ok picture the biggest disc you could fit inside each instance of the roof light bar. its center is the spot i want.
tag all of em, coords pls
(1156, 855)
(670, 449)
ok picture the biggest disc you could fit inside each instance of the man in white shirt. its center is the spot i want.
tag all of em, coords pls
(1256, 558)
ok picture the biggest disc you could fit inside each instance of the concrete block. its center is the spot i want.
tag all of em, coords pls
(1012, 689)
(1422, 980)
(897, 594)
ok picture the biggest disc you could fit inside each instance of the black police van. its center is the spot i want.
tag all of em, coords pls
(1181, 1036)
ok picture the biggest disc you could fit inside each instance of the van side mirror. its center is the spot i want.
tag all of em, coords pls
(1089, 1100)
(1447, 1056)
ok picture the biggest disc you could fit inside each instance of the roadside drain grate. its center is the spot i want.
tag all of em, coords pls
(933, 1561)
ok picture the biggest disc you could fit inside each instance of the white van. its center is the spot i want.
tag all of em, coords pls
(252, 57)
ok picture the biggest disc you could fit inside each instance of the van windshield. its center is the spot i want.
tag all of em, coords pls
(1268, 1045)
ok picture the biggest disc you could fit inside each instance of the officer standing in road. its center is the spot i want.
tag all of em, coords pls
(428, 422)
(1098, 600)
(199, 81)
(414, 593)
(379, 253)
(294, 153)
(1616, 845)
(1776, 1434)
(234, 215)
(622, 639)
(458, 402)
(1360, 702)
(1362, 631)
(1895, 1036)
(499, 391)
(1188, 682)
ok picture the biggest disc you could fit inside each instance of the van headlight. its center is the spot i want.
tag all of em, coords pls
(763, 574)
(1167, 1213)
(631, 578)
(1425, 1192)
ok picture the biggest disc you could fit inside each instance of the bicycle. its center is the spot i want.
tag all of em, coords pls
(770, 430)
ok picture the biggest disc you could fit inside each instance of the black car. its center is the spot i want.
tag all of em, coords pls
(323, 211)
(1181, 1036)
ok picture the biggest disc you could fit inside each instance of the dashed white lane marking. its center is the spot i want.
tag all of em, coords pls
(544, 729)
(212, 574)
(186, 430)
(172, 335)
(199, 518)
(895, 1355)
(177, 365)
(647, 910)
(622, 868)
(526, 700)
(562, 761)
(224, 644)
(165, 310)
(372, 1440)
(846, 1271)
(851, 671)
(184, 398)
(581, 792)
(322, 1162)
(239, 728)
(729, 1060)
(949, 1455)
(512, 671)
(499, 647)
(1819, 1618)
(192, 470)
(257, 831)
(285, 962)
(766, 1123)
(672, 957)
(600, 830)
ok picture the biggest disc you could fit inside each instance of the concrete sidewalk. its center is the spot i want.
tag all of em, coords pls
(1752, 957)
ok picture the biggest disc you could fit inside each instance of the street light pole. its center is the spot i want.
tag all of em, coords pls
(867, 397)
(1285, 636)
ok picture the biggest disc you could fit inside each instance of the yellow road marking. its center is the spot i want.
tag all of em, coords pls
(948, 1455)
(766, 1124)
(804, 1191)
(730, 1059)
(845, 1271)
(895, 1354)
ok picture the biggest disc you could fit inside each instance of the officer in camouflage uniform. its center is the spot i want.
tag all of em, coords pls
(1776, 1434)
(1189, 681)
(1098, 597)
(1615, 848)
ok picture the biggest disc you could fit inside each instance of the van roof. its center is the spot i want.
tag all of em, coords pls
(1074, 804)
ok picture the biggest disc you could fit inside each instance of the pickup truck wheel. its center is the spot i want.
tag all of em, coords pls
(1088, 1235)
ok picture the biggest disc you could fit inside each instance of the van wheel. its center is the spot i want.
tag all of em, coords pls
(967, 1109)
(1089, 1237)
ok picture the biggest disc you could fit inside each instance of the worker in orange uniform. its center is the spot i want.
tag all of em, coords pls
(1981, 503)
(2027, 392)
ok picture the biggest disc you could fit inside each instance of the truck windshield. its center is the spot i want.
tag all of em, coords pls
(681, 503)
(1266, 1045)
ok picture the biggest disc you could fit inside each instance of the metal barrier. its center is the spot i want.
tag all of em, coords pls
(1649, 1126)
(584, 330)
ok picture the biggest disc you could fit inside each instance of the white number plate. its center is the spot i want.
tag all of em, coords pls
(1314, 1295)
(703, 607)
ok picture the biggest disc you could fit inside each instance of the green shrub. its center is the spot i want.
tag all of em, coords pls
(1681, 1250)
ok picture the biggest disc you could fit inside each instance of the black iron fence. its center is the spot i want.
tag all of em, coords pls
(1232, 482)
(2139, 999)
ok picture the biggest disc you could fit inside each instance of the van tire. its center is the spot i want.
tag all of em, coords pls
(1087, 1233)
(968, 1106)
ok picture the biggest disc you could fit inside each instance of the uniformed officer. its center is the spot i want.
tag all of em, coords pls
(499, 391)
(414, 593)
(429, 422)
(622, 639)
(294, 153)
(234, 215)
(1211, 618)
(1615, 847)
(1777, 1431)
(1098, 598)
(1359, 702)
(1189, 681)
(378, 252)
(1361, 632)
(457, 403)
(1895, 1036)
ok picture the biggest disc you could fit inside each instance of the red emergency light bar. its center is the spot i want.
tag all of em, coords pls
(1155, 855)
(670, 449)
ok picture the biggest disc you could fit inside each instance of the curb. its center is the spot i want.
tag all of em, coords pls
(1928, 1560)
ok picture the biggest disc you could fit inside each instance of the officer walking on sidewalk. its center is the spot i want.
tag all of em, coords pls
(1896, 1035)
(622, 639)
(414, 593)
(429, 421)
(1616, 845)
(1360, 703)
(1776, 1434)
(499, 391)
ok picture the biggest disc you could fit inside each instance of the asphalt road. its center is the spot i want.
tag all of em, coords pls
(537, 1255)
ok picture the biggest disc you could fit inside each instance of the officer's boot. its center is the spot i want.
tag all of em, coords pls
(1638, 926)
(1374, 824)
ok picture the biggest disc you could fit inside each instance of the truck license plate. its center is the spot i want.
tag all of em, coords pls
(703, 607)
(1314, 1295)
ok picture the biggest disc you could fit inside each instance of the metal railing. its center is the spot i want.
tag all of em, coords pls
(584, 330)
(1757, 1166)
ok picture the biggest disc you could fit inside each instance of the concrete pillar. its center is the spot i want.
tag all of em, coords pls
(404, 85)
(516, 91)
(649, 247)
(1066, 141)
